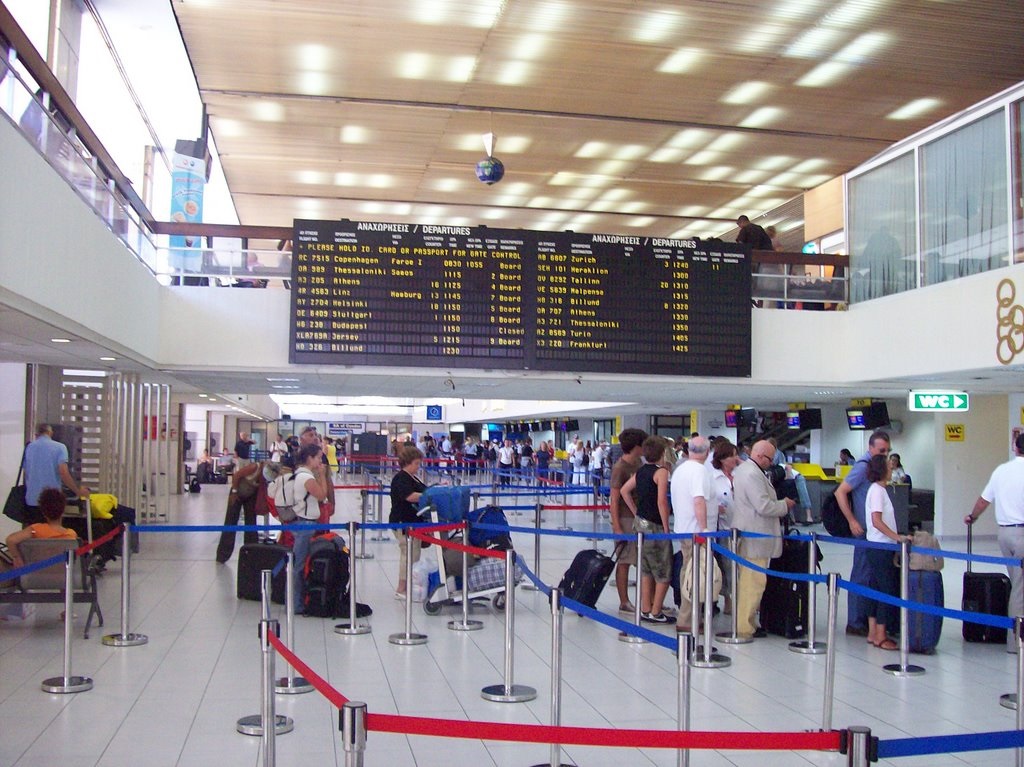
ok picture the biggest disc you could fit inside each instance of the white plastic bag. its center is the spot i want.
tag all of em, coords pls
(421, 574)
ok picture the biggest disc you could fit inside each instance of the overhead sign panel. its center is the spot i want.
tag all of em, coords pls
(939, 401)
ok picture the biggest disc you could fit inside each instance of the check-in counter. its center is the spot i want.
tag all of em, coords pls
(819, 483)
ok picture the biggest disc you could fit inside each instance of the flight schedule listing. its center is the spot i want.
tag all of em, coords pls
(459, 296)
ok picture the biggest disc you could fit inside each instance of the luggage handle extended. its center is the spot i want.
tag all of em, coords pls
(970, 545)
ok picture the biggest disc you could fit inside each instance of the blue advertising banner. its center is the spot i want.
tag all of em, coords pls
(187, 181)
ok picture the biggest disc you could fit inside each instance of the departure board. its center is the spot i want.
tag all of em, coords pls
(451, 296)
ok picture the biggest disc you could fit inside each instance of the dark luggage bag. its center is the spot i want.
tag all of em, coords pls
(784, 602)
(984, 593)
(488, 539)
(925, 629)
(326, 572)
(587, 576)
(253, 558)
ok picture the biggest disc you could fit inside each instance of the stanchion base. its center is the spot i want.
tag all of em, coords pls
(294, 685)
(805, 647)
(697, 660)
(516, 693)
(74, 684)
(731, 638)
(897, 669)
(124, 640)
(352, 629)
(253, 725)
(529, 587)
(380, 538)
(407, 639)
(1008, 701)
(469, 625)
(565, 529)
(367, 555)
(631, 638)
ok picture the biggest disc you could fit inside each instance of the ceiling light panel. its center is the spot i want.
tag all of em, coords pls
(761, 117)
(726, 142)
(414, 65)
(267, 111)
(746, 93)
(354, 134)
(815, 43)
(667, 155)
(691, 138)
(514, 73)
(914, 109)
(682, 61)
(657, 26)
(827, 73)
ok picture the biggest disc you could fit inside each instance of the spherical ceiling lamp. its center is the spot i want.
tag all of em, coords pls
(490, 170)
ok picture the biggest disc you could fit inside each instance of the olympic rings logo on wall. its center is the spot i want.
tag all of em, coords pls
(1010, 323)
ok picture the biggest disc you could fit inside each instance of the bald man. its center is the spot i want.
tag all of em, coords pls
(756, 509)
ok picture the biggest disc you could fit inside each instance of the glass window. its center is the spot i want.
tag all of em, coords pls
(882, 230)
(964, 202)
(1017, 121)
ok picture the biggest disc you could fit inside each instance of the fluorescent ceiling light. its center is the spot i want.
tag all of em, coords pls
(613, 168)
(851, 13)
(795, 9)
(512, 144)
(593, 149)
(282, 379)
(702, 158)
(108, 359)
(615, 195)
(460, 69)
(313, 83)
(692, 211)
(810, 165)
(814, 43)
(60, 340)
(311, 177)
(531, 46)
(641, 221)
(863, 48)
(414, 66)
(551, 15)
(227, 128)
(267, 111)
(726, 142)
(514, 73)
(494, 214)
(448, 184)
(824, 74)
(314, 56)
(666, 154)
(691, 138)
(746, 93)
(762, 117)
(751, 176)
(354, 134)
(657, 26)
(682, 60)
(774, 162)
(630, 152)
(913, 109)
(717, 173)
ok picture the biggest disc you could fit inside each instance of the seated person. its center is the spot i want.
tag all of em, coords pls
(51, 506)
(204, 467)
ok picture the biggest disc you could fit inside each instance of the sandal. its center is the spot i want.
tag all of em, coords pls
(887, 644)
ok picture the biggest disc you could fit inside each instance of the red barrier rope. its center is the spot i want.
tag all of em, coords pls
(575, 508)
(569, 736)
(424, 534)
(87, 547)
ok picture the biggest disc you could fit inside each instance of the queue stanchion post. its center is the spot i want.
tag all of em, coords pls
(475, 495)
(465, 624)
(291, 684)
(508, 691)
(67, 683)
(555, 760)
(354, 627)
(733, 636)
(684, 651)
(1009, 700)
(379, 507)
(904, 667)
(408, 637)
(706, 657)
(536, 546)
(859, 747)
(126, 638)
(830, 652)
(810, 646)
(625, 636)
(352, 723)
(364, 512)
(254, 724)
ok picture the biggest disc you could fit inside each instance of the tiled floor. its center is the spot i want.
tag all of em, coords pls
(175, 700)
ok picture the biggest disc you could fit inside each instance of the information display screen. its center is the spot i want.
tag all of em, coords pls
(451, 296)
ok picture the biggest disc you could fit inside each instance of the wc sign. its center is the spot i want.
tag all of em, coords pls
(939, 401)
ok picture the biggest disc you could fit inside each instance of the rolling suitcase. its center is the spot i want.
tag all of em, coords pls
(784, 602)
(984, 593)
(587, 576)
(253, 558)
(925, 629)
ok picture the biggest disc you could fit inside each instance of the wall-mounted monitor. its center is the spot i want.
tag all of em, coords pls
(748, 416)
(876, 416)
(810, 419)
(855, 419)
(793, 419)
(732, 418)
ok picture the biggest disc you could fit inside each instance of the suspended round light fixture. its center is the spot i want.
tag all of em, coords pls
(490, 170)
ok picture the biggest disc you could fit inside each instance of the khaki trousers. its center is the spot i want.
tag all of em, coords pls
(751, 587)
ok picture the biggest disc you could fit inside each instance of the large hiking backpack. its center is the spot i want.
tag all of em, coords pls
(326, 573)
(488, 539)
(282, 492)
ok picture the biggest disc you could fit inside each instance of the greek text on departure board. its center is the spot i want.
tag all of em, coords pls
(452, 296)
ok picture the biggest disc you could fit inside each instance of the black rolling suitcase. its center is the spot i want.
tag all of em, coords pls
(587, 576)
(784, 602)
(984, 593)
(253, 558)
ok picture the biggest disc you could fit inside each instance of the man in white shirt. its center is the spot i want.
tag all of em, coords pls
(597, 461)
(1005, 489)
(690, 488)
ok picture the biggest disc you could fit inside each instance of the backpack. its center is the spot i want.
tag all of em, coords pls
(282, 491)
(326, 574)
(488, 539)
(833, 518)
(585, 460)
(194, 486)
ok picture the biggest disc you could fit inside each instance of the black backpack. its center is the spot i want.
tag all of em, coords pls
(585, 461)
(833, 518)
(326, 573)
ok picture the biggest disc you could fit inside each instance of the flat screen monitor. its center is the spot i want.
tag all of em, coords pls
(855, 419)
(810, 419)
(732, 418)
(748, 416)
(793, 419)
(876, 416)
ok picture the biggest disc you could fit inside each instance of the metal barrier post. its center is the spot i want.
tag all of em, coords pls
(494, 486)
(67, 683)
(379, 510)
(809, 646)
(291, 684)
(555, 759)
(684, 651)
(476, 499)
(706, 657)
(858, 746)
(363, 513)
(352, 723)
(1009, 700)
(125, 638)
(509, 692)
(623, 635)
(354, 627)
(1018, 632)
(408, 638)
(733, 637)
(830, 652)
(536, 547)
(465, 624)
(253, 725)
(904, 668)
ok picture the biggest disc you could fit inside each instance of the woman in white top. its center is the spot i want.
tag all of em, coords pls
(884, 577)
(278, 449)
(724, 459)
(579, 471)
(896, 465)
(312, 485)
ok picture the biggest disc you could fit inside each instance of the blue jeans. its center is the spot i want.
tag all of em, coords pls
(860, 573)
(303, 536)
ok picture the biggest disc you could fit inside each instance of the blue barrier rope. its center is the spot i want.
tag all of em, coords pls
(541, 586)
(950, 744)
(10, 575)
(999, 621)
(599, 536)
(807, 577)
(618, 624)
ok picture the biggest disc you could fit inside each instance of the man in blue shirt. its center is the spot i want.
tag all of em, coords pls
(46, 465)
(852, 496)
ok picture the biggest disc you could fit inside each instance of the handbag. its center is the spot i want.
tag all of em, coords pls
(14, 507)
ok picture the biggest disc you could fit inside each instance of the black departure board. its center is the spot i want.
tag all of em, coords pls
(453, 296)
